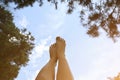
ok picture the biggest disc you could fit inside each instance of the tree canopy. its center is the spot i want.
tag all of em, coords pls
(94, 15)
(15, 46)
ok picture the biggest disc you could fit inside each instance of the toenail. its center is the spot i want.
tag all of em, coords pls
(58, 38)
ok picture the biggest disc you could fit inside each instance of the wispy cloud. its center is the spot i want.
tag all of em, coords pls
(39, 49)
(24, 22)
(53, 21)
(107, 64)
(31, 70)
(57, 18)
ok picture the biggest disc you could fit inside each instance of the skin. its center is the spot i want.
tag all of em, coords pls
(48, 71)
(57, 53)
(63, 72)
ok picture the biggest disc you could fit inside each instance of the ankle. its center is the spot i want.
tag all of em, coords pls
(61, 57)
(53, 60)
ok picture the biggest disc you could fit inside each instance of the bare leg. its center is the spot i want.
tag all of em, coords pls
(64, 72)
(48, 71)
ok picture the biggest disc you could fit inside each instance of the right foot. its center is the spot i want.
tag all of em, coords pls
(60, 45)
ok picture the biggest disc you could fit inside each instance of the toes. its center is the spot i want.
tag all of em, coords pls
(50, 47)
(54, 45)
(57, 38)
(60, 39)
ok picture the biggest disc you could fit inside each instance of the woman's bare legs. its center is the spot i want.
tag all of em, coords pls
(64, 72)
(48, 71)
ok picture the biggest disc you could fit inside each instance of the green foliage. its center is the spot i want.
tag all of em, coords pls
(104, 14)
(22, 3)
(15, 46)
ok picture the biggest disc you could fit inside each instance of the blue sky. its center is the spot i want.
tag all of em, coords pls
(88, 58)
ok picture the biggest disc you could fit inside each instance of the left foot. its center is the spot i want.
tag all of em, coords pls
(53, 53)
